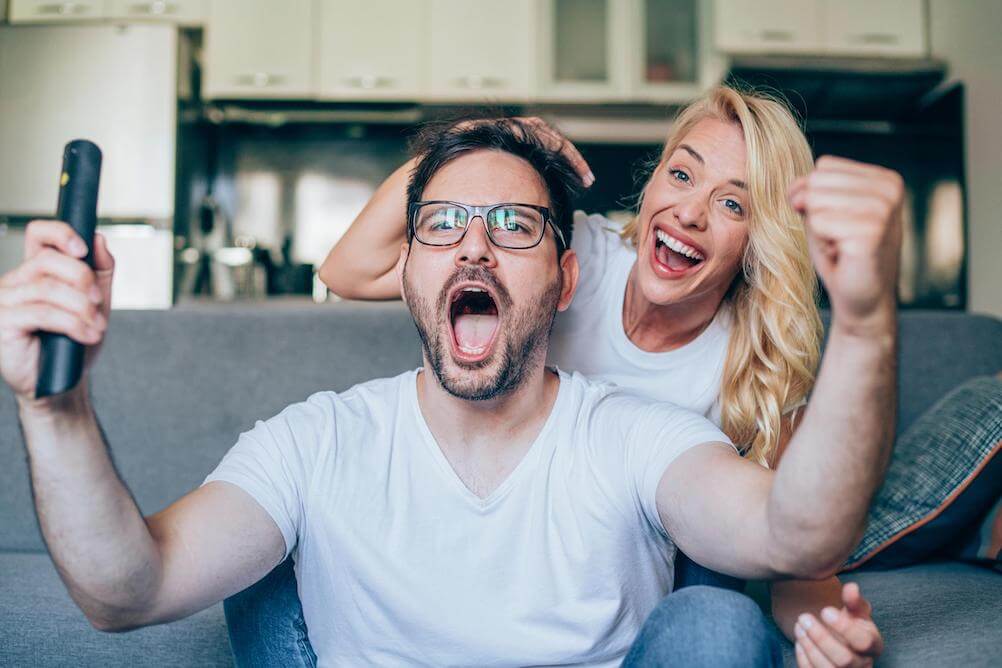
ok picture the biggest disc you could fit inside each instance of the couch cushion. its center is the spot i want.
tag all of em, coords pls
(40, 625)
(937, 614)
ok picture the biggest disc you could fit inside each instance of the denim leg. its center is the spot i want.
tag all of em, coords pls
(706, 626)
(266, 623)
(688, 573)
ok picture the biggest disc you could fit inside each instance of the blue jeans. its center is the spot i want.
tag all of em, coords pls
(704, 623)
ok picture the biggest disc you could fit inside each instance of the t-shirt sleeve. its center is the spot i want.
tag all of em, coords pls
(594, 235)
(273, 461)
(654, 434)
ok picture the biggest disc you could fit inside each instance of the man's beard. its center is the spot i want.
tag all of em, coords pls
(525, 330)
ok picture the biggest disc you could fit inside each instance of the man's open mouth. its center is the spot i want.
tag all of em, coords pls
(473, 316)
(673, 256)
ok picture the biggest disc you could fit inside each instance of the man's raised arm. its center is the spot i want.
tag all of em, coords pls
(805, 518)
(122, 569)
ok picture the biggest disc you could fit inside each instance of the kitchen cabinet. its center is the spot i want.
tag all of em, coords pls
(258, 49)
(482, 50)
(673, 56)
(583, 49)
(626, 50)
(46, 11)
(875, 28)
(355, 66)
(768, 26)
(182, 12)
(822, 27)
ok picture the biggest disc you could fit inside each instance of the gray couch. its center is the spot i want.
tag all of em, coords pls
(173, 389)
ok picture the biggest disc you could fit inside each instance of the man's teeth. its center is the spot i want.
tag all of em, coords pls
(679, 247)
(472, 351)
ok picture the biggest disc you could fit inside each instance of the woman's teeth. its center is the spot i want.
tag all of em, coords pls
(679, 247)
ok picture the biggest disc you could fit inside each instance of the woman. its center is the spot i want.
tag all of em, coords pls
(706, 299)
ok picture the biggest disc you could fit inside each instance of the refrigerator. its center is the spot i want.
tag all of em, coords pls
(117, 86)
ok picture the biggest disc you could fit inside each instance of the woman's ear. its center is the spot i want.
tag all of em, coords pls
(569, 276)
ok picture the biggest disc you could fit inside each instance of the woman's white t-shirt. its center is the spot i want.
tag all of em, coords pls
(589, 336)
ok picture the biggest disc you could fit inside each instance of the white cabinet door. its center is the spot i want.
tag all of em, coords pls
(182, 12)
(372, 49)
(768, 26)
(44, 11)
(258, 49)
(583, 50)
(875, 27)
(482, 50)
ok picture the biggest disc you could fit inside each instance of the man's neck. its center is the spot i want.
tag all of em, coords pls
(485, 440)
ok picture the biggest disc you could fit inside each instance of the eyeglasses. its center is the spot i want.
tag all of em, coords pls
(509, 225)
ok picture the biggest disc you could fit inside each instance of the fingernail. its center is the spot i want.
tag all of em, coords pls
(78, 247)
(799, 631)
(829, 615)
(589, 178)
(805, 621)
(95, 294)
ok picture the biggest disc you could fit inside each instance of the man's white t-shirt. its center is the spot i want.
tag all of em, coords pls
(589, 337)
(398, 563)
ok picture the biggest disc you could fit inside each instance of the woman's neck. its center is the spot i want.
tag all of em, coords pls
(658, 328)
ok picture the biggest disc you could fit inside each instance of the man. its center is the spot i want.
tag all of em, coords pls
(483, 509)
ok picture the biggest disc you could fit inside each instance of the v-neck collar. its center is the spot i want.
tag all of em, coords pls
(527, 463)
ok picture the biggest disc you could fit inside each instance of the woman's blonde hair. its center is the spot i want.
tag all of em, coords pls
(776, 331)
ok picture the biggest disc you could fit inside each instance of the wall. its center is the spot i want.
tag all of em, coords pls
(966, 35)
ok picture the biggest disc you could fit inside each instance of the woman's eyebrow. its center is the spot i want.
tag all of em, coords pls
(693, 153)
(737, 182)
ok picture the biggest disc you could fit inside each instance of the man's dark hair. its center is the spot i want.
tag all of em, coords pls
(438, 144)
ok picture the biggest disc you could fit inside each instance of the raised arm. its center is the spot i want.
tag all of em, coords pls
(122, 569)
(362, 263)
(805, 518)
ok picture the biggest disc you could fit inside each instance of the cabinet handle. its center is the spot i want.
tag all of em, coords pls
(776, 36)
(874, 38)
(63, 8)
(370, 82)
(155, 8)
(259, 79)
(479, 82)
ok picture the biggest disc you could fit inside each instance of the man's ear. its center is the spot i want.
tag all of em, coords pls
(569, 271)
(405, 249)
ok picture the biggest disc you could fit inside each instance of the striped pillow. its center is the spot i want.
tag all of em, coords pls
(944, 478)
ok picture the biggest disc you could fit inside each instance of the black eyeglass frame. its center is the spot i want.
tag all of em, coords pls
(483, 212)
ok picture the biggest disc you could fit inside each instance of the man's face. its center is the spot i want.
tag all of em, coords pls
(484, 313)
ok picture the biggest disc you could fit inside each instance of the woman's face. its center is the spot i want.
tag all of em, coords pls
(694, 217)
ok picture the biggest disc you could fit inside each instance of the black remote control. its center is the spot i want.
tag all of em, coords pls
(61, 358)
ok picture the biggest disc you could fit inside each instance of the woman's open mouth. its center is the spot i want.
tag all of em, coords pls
(672, 258)
(473, 317)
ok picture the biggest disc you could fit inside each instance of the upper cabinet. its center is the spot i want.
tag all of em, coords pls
(482, 50)
(822, 27)
(182, 12)
(768, 26)
(616, 50)
(875, 27)
(44, 11)
(672, 57)
(258, 49)
(354, 66)
(582, 49)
